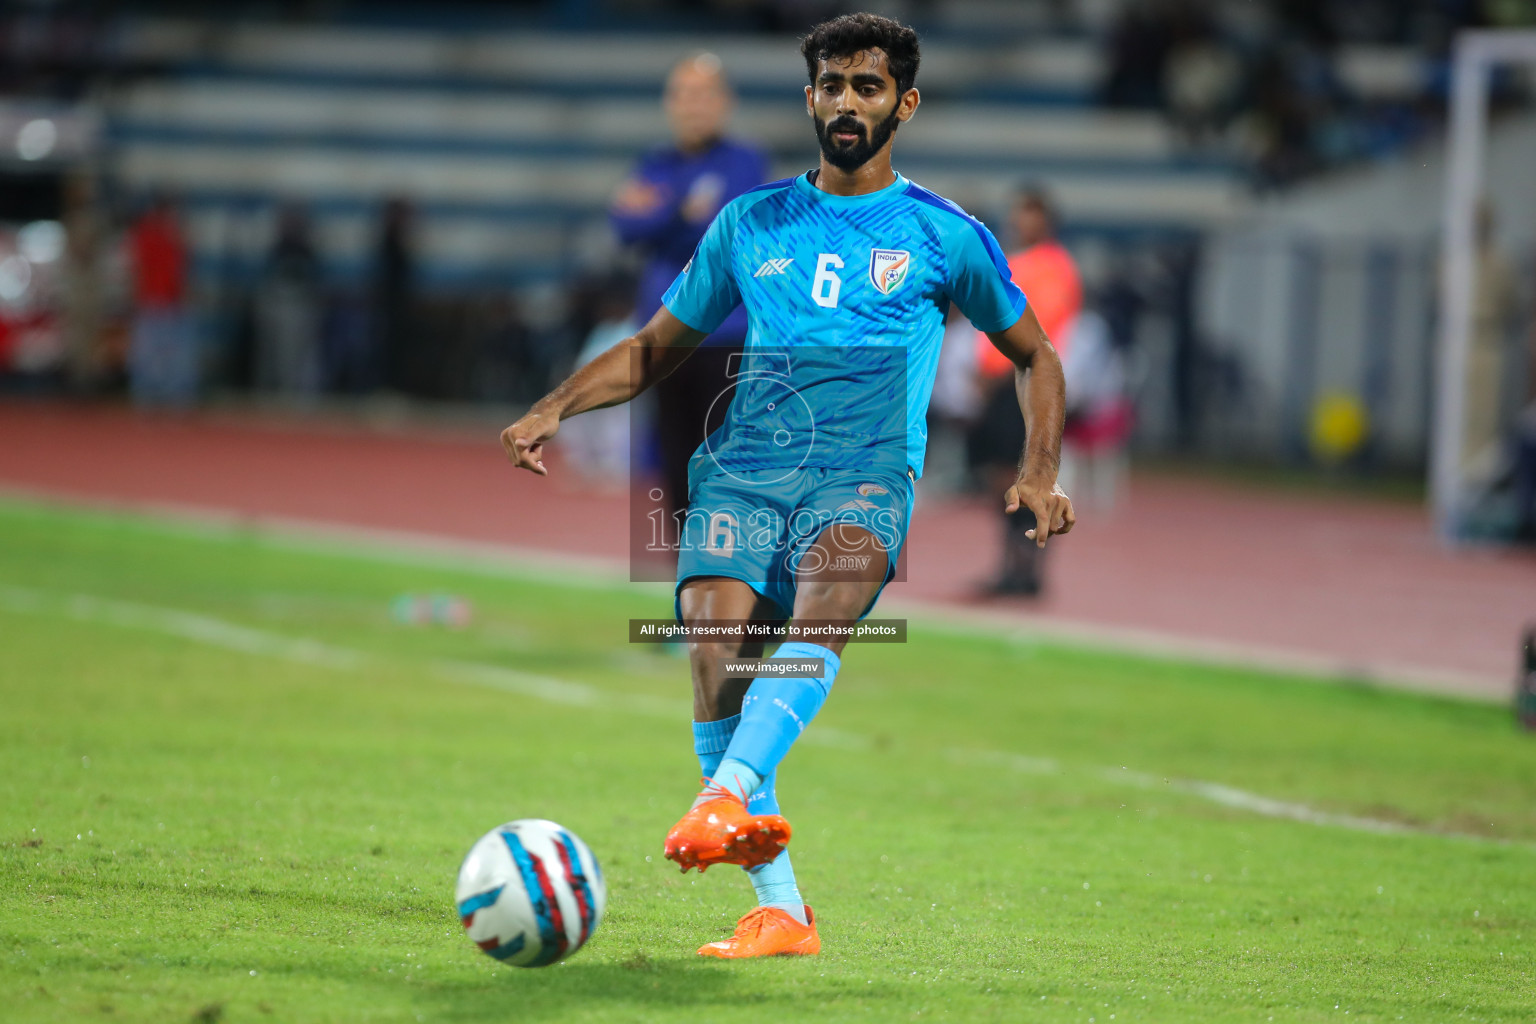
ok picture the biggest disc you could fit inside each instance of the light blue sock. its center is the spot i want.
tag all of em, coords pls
(737, 777)
(710, 740)
(776, 711)
(775, 881)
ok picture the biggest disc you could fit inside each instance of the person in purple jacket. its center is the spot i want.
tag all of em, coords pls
(664, 208)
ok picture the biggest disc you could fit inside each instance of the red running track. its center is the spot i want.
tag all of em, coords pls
(1339, 586)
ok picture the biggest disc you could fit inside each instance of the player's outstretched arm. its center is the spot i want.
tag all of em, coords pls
(613, 378)
(1042, 399)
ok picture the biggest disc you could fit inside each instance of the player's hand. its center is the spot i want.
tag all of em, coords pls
(524, 441)
(1051, 506)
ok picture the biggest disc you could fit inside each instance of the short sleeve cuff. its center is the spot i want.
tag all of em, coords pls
(692, 319)
(1020, 303)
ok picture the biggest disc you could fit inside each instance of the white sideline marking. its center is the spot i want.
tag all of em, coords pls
(1215, 792)
(214, 632)
(208, 630)
(1055, 631)
(1242, 800)
(558, 691)
(187, 625)
(205, 629)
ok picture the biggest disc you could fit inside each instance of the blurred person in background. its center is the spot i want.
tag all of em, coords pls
(663, 208)
(1136, 52)
(1099, 413)
(84, 286)
(1048, 276)
(163, 356)
(505, 352)
(394, 299)
(347, 355)
(289, 311)
(1202, 77)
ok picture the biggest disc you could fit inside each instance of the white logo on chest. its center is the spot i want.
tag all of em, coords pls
(772, 267)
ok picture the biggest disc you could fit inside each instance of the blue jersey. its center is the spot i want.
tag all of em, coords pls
(846, 298)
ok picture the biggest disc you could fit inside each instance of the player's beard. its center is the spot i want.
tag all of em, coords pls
(852, 157)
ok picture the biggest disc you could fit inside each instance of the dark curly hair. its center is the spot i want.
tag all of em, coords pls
(855, 33)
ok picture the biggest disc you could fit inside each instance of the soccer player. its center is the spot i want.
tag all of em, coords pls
(799, 503)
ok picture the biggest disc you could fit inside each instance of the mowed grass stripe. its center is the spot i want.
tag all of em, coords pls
(568, 570)
(1345, 750)
(219, 633)
(1431, 763)
(1079, 899)
(313, 818)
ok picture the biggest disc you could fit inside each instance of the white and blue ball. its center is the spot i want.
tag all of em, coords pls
(530, 893)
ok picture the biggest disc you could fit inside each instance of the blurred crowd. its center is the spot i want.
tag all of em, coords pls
(107, 298)
(103, 292)
(1264, 81)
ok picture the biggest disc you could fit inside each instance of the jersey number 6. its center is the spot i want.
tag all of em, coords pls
(826, 286)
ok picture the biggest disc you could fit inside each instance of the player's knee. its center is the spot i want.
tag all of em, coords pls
(817, 599)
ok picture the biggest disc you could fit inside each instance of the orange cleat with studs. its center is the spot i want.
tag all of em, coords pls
(767, 931)
(722, 831)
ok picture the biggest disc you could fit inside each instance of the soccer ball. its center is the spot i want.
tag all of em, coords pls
(530, 893)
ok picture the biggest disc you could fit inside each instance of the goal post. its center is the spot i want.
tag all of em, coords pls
(1475, 55)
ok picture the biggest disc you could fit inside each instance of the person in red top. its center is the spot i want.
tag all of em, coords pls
(1048, 276)
(159, 257)
(162, 357)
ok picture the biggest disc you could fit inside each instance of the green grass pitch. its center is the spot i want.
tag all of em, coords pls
(233, 788)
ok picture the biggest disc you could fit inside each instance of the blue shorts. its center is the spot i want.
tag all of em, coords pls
(758, 526)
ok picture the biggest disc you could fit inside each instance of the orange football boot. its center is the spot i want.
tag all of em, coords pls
(767, 931)
(722, 831)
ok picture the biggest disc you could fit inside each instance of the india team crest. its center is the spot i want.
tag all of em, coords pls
(888, 268)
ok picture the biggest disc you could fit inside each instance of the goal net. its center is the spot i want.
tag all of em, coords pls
(1454, 487)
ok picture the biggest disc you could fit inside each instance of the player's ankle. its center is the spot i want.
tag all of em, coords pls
(795, 910)
(733, 777)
